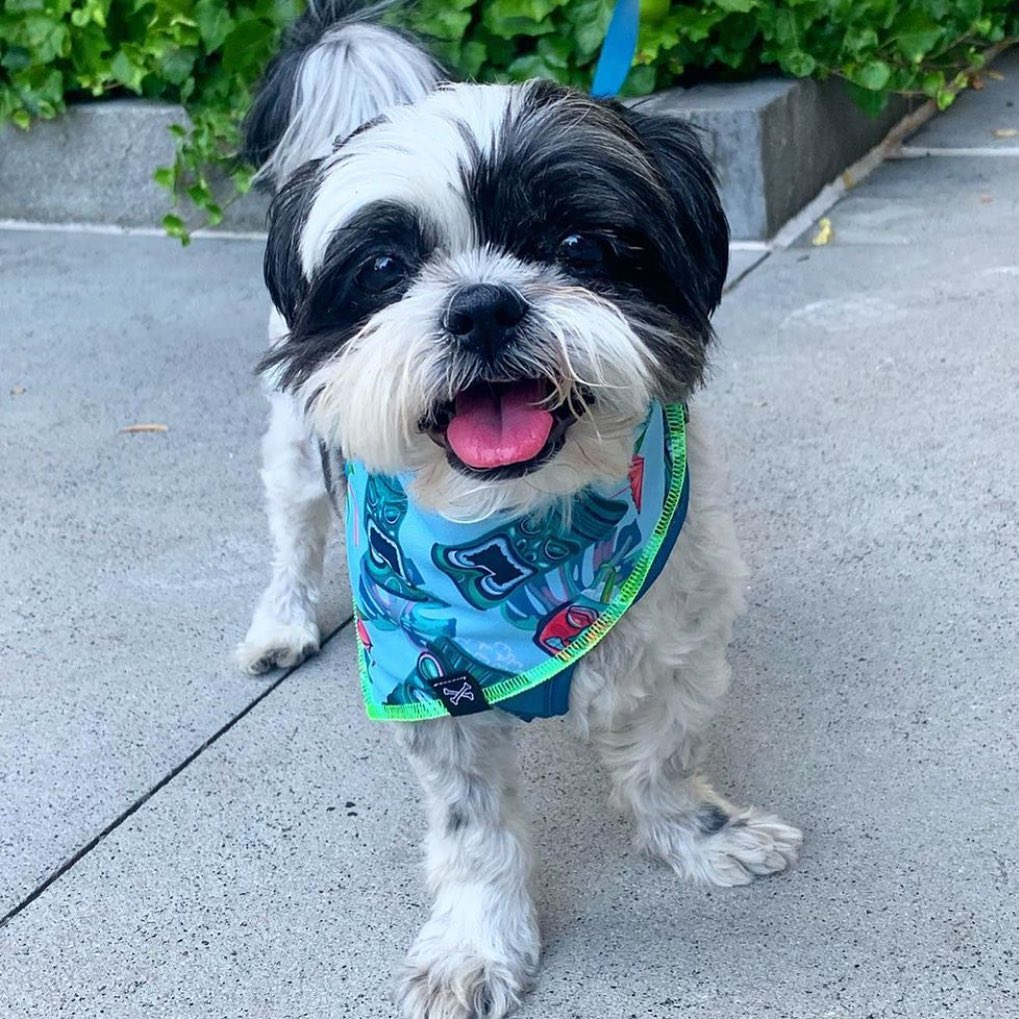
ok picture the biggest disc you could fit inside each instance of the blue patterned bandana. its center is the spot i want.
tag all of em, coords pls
(454, 618)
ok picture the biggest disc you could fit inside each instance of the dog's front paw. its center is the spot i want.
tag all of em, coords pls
(728, 847)
(442, 981)
(272, 643)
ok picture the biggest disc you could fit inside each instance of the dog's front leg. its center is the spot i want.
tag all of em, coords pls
(479, 949)
(284, 629)
(650, 745)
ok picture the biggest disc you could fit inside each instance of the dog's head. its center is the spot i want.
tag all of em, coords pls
(490, 286)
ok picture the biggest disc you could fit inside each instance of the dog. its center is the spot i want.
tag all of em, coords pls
(486, 298)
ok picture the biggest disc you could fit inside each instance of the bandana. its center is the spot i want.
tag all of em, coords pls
(454, 618)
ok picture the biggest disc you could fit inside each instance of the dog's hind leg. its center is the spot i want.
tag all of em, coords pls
(477, 953)
(284, 629)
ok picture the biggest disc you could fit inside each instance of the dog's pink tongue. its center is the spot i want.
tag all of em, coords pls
(493, 428)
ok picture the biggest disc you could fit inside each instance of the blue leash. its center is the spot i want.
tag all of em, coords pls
(618, 50)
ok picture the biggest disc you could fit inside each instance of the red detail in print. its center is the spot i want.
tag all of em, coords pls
(563, 625)
(362, 636)
(637, 480)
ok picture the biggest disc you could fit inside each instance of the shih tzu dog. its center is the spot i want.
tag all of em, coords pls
(491, 310)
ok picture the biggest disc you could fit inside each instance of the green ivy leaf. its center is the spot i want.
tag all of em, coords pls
(531, 66)
(799, 64)
(589, 21)
(916, 35)
(246, 48)
(126, 71)
(449, 24)
(214, 23)
(165, 177)
(88, 49)
(873, 76)
(859, 40)
(178, 65)
(472, 57)
(870, 102)
(22, 6)
(49, 39)
(932, 83)
(555, 51)
(640, 81)
(174, 225)
(944, 98)
(737, 6)
(510, 18)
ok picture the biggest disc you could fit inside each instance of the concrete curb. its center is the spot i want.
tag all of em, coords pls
(775, 143)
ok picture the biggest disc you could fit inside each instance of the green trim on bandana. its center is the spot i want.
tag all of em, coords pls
(380, 570)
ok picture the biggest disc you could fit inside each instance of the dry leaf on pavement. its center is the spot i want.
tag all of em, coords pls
(824, 232)
(138, 429)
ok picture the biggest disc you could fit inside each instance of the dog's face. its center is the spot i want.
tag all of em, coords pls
(490, 286)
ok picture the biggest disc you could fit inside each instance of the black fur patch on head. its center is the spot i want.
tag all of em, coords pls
(288, 215)
(637, 188)
(690, 181)
(326, 311)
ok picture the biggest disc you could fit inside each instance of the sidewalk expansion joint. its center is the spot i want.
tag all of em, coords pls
(112, 230)
(973, 152)
(732, 284)
(164, 781)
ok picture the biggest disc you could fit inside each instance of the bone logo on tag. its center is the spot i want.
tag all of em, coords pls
(465, 693)
(460, 693)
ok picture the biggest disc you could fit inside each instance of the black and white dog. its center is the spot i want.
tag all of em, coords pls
(589, 241)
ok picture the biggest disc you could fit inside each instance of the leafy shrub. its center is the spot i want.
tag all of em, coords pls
(878, 46)
(207, 54)
(204, 54)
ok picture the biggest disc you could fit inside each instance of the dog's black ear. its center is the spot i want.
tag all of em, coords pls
(288, 214)
(690, 180)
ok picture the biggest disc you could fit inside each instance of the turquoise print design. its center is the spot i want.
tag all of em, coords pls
(385, 506)
(489, 570)
(509, 601)
(390, 592)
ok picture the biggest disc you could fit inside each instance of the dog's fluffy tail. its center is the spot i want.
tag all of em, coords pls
(338, 68)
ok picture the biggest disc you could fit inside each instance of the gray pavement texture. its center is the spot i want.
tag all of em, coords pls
(127, 559)
(868, 391)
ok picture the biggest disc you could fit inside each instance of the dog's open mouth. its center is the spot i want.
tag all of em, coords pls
(501, 429)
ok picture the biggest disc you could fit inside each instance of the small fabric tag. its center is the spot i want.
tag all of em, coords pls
(461, 693)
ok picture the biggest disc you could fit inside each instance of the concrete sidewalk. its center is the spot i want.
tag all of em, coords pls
(260, 855)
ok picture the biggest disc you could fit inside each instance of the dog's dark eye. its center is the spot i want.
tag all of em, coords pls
(583, 250)
(382, 273)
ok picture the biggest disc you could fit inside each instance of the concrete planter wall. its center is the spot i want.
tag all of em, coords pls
(775, 143)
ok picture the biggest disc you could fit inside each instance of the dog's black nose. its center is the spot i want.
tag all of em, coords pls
(483, 316)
